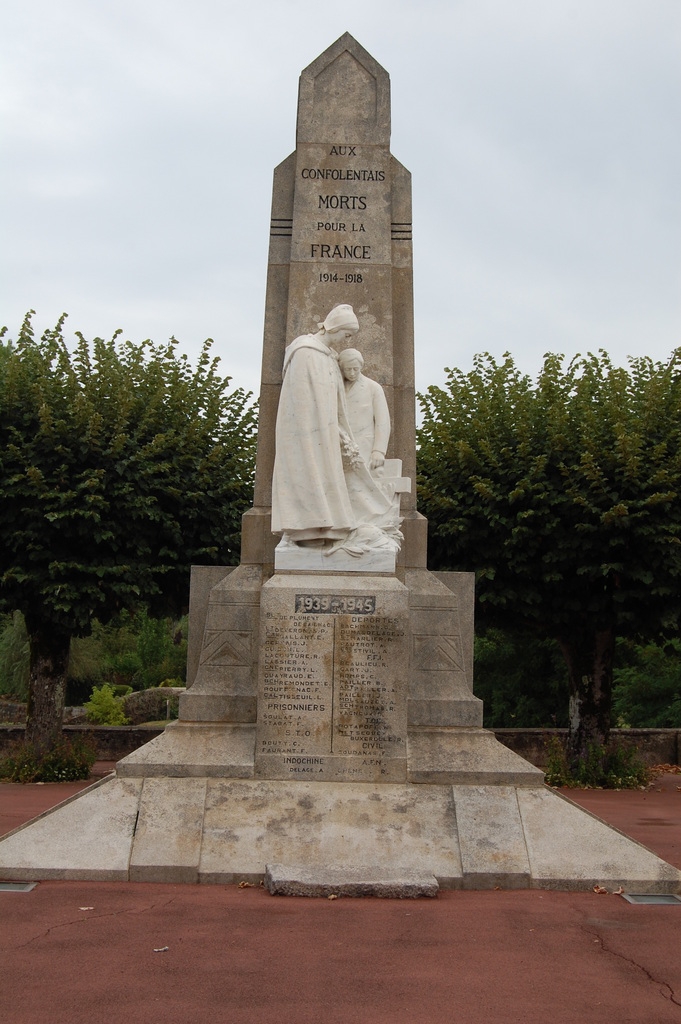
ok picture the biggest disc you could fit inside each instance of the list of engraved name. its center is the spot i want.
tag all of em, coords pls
(328, 683)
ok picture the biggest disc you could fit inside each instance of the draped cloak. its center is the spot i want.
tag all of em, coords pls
(310, 489)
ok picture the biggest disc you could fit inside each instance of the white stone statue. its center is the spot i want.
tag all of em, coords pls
(323, 493)
(367, 409)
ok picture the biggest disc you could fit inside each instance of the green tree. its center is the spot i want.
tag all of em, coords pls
(14, 656)
(120, 465)
(647, 685)
(563, 496)
(521, 679)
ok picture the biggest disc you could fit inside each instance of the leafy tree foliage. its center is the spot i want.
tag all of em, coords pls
(120, 465)
(134, 650)
(521, 679)
(14, 657)
(647, 685)
(563, 496)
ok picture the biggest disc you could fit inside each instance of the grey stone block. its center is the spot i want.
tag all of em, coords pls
(299, 880)
(189, 749)
(571, 849)
(87, 837)
(167, 842)
(217, 707)
(341, 825)
(471, 757)
(462, 586)
(202, 580)
(224, 689)
(491, 839)
(444, 714)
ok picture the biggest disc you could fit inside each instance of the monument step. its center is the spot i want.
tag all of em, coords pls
(215, 830)
(440, 756)
(466, 756)
(193, 749)
(300, 880)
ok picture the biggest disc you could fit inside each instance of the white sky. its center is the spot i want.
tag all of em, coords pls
(544, 139)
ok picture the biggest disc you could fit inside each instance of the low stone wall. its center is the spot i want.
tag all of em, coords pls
(12, 714)
(656, 746)
(112, 742)
(15, 714)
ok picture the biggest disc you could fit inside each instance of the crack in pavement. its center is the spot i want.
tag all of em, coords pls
(83, 918)
(666, 991)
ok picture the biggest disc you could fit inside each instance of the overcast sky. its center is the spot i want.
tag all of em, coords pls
(543, 136)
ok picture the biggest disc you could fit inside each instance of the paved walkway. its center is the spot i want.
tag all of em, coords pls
(73, 952)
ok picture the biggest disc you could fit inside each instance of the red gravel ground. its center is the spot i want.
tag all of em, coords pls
(241, 956)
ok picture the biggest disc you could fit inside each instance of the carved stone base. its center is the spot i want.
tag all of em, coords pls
(433, 756)
(214, 830)
(184, 749)
(310, 559)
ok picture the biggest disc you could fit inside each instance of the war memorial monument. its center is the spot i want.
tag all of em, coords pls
(329, 739)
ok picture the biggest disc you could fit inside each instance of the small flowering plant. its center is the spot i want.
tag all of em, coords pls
(350, 451)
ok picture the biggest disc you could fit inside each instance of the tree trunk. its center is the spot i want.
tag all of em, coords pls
(47, 685)
(589, 657)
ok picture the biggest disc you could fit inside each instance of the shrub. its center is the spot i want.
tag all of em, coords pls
(615, 766)
(105, 708)
(67, 761)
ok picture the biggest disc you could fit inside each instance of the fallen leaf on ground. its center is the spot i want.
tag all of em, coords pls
(601, 890)
(665, 769)
(162, 949)
(86, 908)
(246, 885)
(333, 896)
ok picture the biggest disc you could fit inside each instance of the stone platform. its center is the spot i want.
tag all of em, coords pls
(217, 830)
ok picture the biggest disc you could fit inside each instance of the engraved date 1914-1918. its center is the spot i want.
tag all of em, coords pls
(348, 278)
(331, 604)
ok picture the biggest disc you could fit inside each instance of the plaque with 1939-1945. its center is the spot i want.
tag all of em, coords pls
(332, 693)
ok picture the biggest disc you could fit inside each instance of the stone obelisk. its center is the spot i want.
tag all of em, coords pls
(341, 231)
(329, 739)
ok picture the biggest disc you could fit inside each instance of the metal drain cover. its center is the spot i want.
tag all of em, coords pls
(17, 886)
(632, 897)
